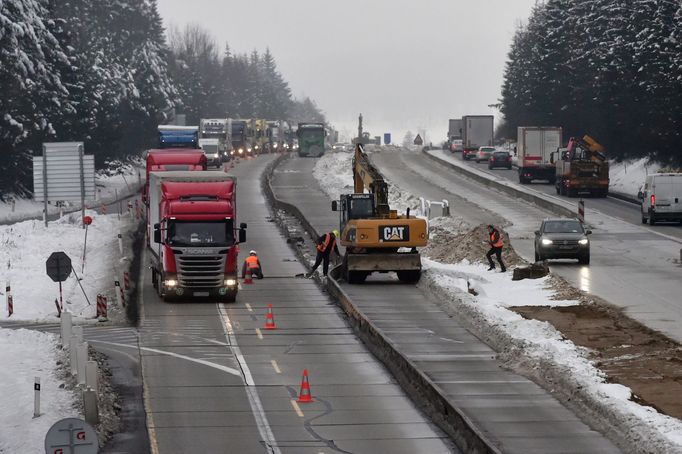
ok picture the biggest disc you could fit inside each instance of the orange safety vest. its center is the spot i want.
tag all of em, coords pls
(499, 242)
(327, 243)
(252, 262)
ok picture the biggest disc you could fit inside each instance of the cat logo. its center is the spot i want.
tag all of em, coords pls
(394, 233)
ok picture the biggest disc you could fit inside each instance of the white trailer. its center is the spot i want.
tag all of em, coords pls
(478, 131)
(535, 145)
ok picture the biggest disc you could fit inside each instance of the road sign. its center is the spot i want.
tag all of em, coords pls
(71, 436)
(58, 266)
(387, 138)
(418, 140)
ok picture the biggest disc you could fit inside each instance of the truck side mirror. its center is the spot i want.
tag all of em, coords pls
(551, 157)
(157, 234)
(537, 232)
(588, 232)
(640, 195)
(242, 235)
(335, 205)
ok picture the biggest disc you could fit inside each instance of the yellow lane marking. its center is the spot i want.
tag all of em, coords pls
(248, 307)
(275, 366)
(259, 334)
(297, 409)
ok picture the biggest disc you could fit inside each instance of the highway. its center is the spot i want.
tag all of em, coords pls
(632, 266)
(511, 412)
(215, 381)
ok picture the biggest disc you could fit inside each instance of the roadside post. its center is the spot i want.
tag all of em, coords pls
(36, 397)
(10, 301)
(58, 267)
(87, 220)
(581, 211)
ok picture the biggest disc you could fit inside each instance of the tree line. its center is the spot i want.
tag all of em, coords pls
(608, 68)
(103, 72)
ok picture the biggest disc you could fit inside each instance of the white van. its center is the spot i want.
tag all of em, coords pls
(661, 198)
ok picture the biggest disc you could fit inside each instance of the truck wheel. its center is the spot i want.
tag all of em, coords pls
(643, 220)
(230, 297)
(652, 219)
(571, 192)
(155, 280)
(409, 276)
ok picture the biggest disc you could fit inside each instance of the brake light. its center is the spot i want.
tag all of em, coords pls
(653, 200)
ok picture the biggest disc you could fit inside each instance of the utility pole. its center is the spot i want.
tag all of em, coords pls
(360, 129)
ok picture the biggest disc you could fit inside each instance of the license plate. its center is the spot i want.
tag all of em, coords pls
(565, 247)
(200, 293)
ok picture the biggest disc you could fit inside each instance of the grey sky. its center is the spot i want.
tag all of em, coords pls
(403, 64)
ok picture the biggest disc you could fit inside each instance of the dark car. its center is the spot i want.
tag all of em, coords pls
(562, 239)
(500, 159)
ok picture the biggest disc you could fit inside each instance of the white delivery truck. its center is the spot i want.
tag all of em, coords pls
(661, 198)
(477, 131)
(534, 146)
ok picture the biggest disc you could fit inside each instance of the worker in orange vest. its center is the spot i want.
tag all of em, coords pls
(496, 245)
(325, 245)
(253, 264)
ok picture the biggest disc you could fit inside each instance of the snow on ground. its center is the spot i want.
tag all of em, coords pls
(25, 246)
(25, 354)
(530, 342)
(628, 176)
(123, 182)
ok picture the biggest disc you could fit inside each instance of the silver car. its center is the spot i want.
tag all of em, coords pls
(484, 153)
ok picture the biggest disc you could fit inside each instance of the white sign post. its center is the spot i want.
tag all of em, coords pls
(63, 173)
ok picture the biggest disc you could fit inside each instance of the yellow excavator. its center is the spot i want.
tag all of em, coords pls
(376, 238)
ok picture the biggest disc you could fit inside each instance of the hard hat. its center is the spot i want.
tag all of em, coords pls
(252, 252)
(336, 233)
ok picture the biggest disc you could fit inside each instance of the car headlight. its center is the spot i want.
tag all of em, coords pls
(248, 150)
(274, 146)
(546, 242)
(256, 147)
(230, 282)
(170, 283)
(583, 241)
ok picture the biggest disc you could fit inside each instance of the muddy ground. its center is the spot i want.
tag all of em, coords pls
(627, 352)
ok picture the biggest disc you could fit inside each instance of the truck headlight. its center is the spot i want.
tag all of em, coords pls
(215, 155)
(248, 149)
(274, 146)
(241, 151)
(546, 242)
(583, 241)
(230, 282)
(170, 283)
(256, 147)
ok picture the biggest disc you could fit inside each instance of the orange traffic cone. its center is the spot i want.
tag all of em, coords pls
(248, 279)
(270, 319)
(304, 395)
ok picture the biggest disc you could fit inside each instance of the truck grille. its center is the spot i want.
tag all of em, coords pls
(201, 270)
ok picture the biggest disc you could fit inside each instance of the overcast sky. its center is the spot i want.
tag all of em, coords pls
(406, 65)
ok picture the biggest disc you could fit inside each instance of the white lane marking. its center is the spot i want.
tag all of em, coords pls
(297, 409)
(251, 390)
(229, 370)
(259, 333)
(248, 307)
(275, 366)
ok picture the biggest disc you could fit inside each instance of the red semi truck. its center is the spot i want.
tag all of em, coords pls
(173, 159)
(192, 224)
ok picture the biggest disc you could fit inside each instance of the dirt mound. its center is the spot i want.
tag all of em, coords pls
(448, 246)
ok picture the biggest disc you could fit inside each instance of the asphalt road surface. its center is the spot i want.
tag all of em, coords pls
(631, 266)
(216, 381)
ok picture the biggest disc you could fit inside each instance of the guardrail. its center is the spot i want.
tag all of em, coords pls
(448, 417)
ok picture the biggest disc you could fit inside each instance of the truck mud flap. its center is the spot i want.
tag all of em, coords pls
(384, 262)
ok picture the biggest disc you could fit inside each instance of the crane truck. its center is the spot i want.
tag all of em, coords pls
(192, 224)
(582, 168)
(372, 233)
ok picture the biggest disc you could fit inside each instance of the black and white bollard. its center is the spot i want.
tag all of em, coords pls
(9, 299)
(36, 397)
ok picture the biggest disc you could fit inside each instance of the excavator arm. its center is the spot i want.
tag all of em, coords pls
(366, 176)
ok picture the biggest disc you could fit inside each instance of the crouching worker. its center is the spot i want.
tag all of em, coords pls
(253, 264)
(326, 244)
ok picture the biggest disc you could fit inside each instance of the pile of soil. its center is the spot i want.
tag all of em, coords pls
(450, 246)
(628, 352)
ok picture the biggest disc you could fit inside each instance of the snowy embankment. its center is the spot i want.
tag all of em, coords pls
(482, 300)
(25, 247)
(24, 355)
(628, 176)
(125, 181)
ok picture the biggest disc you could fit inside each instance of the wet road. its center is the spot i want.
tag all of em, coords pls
(631, 266)
(215, 381)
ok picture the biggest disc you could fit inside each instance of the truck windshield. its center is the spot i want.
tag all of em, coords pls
(204, 233)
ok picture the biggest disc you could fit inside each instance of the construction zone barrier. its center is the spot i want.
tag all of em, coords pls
(126, 280)
(581, 211)
(101, 308)
(248, 279)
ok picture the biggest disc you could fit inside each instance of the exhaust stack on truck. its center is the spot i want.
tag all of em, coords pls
(192, 224)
